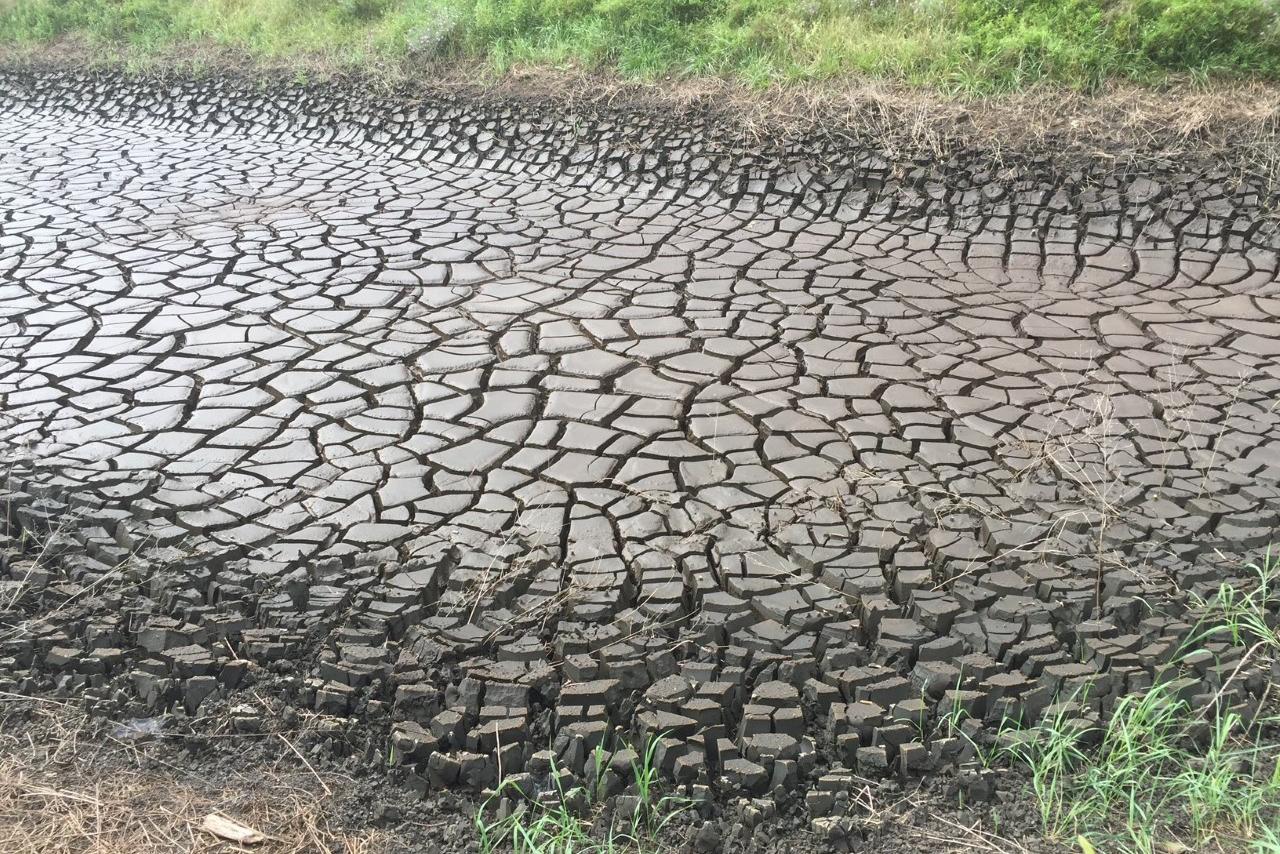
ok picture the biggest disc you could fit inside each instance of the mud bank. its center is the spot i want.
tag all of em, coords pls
(494, 434)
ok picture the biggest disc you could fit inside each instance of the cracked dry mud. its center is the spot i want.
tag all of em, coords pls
(509, 431)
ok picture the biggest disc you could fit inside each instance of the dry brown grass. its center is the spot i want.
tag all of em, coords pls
(66, 791)
(1126, 125)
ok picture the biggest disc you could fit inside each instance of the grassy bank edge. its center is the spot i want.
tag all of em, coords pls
(970, 46)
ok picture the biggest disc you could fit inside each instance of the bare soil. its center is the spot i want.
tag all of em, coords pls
(70, 782)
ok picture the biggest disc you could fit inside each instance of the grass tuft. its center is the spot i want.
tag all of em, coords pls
(576, 821)
(1163, 775)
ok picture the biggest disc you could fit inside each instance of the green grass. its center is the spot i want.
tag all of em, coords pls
(572, 822)
(1160, 775)
(1244, 616)
(966, 45)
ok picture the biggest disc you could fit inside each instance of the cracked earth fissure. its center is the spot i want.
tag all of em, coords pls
(533, 426)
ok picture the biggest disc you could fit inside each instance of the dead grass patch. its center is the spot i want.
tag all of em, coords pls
(1125, 125)
(64, 791)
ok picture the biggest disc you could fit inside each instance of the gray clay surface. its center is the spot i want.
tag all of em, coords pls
(519, 429)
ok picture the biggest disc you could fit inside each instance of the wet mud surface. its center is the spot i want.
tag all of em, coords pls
(509, 431)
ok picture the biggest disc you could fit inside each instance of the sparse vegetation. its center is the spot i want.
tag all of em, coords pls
(1160, 779)
(1160, 774)
(962, 45)
(575, 821)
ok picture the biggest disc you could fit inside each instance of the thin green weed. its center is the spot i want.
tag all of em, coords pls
(569, 823)
(1158, 773)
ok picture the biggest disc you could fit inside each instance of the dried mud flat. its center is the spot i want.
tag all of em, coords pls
(478, 435)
